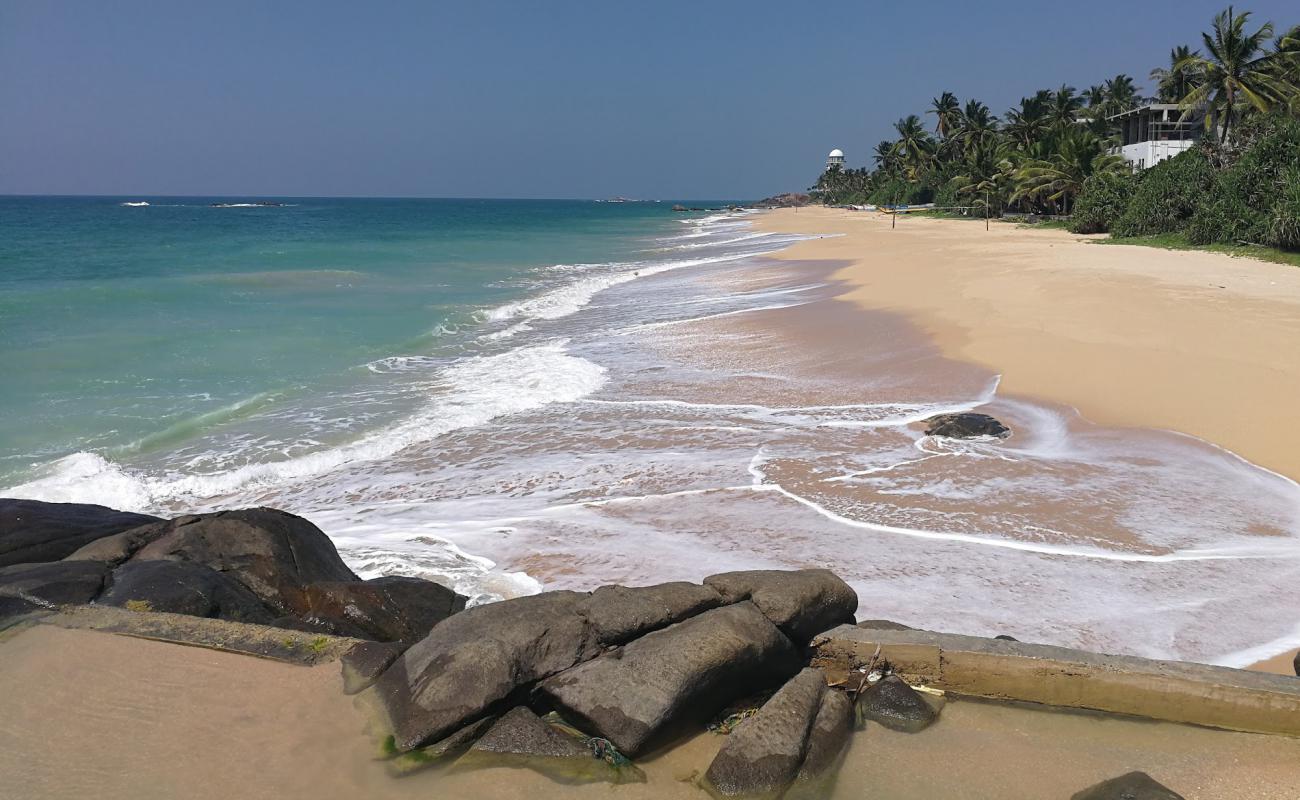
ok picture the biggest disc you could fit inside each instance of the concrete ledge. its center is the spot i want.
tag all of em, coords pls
(262, 641)
(1176, 691)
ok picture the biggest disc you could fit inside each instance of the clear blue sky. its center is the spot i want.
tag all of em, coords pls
(653, 98)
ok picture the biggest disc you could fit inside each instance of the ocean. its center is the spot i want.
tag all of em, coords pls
(506, 395)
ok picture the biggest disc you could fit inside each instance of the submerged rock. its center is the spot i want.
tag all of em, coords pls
(762, 756)
(440, 752)
(802, 603)
(521, 738)
(687, 671)
(32, 531)
(1133, 786)
(965, 426)
(897, 706)
(884, 625)
(366, 661)
(180, 587)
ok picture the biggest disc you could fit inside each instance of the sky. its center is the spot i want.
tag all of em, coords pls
(655, 99)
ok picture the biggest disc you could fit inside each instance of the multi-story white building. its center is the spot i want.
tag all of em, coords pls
(1154, 132)
(835, 159)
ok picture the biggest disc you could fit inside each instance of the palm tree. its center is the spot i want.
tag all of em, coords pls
(1121, 95)
(913, 146)
(977, 126)
(885, 157)
(1177, 80)
(1239, 73)
(1057, 179)
(947, 112)
(1096, 95)
(1063, 107)
(1028, 123)
(986, 174)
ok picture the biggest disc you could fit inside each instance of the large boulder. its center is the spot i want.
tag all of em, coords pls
(965, 426)
(472, 662)
(56, 583)
(802, 603)
(1132, 786)
(687, 671)
(273, 553)
(388, 609)
(180, 587)
(620, 614)
(827, 740)
(761, 757)
(33, 531)
(897, 706)
(520, 732)
(366, 661)
(522, 739)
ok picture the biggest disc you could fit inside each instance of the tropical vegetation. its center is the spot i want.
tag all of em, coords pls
(1055, 152)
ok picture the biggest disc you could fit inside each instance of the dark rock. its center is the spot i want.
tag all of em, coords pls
(1133, 786)
(1296, 664)
(389, 609)
(473, 661)
(180, 587)
(827, 739)
(521, 732)
(884, 625)
(621, 613)
(687, 671)
(32, 531)
(441, 751)
(13, 609)
(116, 549)
(965, 426)
(522, 739)
(802, 603)
(1006, 638)
(897, 706)
(761, 757)
(678, 207)
(273, 553)
(55, 583)
(365, 662)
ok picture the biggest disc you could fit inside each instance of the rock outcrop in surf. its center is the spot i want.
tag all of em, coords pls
(255, 565)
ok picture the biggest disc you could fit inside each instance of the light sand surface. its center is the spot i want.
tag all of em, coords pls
(90, 714)
(1200, 343)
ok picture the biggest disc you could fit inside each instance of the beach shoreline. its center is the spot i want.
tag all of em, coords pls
(1130, 337)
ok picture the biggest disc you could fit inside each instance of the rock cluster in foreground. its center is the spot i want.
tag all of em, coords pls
(254, 565)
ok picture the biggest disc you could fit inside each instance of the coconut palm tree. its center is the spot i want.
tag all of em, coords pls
(977, 126)
(1121, 95)
(1028, 123)
(1096, 95)
(1056, 179)
(885, 157)
(986, 174)
(913, 146)
(1240, 74)
(1063, 106)
(1176, 81)
(947, 112)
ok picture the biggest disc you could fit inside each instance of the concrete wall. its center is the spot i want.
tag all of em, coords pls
(1148, 154)
(1217, 697)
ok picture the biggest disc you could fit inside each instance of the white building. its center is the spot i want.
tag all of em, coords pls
(835, 159)
(1152, 133)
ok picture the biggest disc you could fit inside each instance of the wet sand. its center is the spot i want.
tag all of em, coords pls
(1199, 343)
(113, 717)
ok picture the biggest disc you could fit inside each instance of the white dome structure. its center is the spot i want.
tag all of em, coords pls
(837, 153)
(835, 160)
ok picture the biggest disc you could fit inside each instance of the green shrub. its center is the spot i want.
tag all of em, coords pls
(1284, 226)
(1167, 195)
(1223, 219)
(1102, 200)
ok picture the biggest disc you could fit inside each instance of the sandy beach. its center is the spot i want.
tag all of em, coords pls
(1193, 342)
(119, 717)
(1199, 343)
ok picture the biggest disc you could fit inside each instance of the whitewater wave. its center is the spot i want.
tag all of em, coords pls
(469, 392)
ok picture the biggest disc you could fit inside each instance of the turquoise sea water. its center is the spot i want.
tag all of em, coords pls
(132, 329)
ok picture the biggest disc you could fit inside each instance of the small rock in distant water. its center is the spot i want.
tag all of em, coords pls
(965, 426)
(884, 625)
(1133, 786)
(1296, 664)
(1006, 638)
(897, 706)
